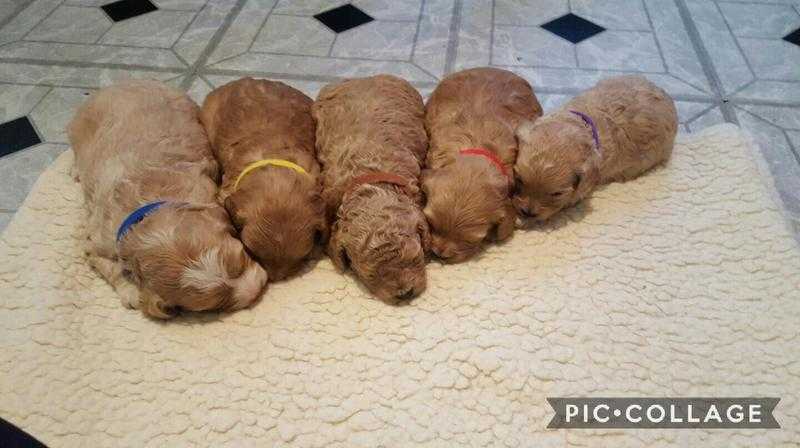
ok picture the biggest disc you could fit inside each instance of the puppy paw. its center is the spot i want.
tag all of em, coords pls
(129, 297)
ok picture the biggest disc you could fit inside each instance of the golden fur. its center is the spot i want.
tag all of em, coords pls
(278, 211)
(138, 142)
(557, 164)
(374, 125)
(468, 198)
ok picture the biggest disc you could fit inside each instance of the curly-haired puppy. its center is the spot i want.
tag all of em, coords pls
(471, 118)
(149, 179)
(371, 142)
(615, 131)
(262, 134)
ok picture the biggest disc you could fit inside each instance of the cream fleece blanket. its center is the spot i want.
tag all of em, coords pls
(681, 283)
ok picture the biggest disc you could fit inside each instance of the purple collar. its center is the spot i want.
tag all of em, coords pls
(589, 122)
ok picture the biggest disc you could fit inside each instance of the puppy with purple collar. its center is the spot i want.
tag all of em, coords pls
(615, 131)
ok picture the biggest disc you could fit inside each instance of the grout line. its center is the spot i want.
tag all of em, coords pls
(42, 20)
(14, 14)
(741, 88)
(453, 38)
(416, 33)
(212, 44)
(80, 64)
(705, 61)
(423, 70)
(261, 27)
(491, 33)
(314, 56)
(655, 35)
(783, 132)
(294, 76)
(45, 41)
(735, 40)
(333, 42)
(188, 26)
(700, 114)
(791, 146)
(757, 102)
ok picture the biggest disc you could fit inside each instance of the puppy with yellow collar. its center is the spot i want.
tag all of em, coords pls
(262, 134)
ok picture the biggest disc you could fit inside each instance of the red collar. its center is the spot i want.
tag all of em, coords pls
(377, 178)
(488, 155)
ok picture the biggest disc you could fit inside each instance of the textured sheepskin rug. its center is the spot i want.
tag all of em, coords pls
(683, 282)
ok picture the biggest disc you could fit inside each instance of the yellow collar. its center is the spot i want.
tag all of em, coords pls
(262, 163)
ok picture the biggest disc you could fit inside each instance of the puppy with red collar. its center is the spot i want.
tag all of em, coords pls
(470, 119)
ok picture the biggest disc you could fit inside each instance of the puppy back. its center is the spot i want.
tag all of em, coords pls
(479, 107)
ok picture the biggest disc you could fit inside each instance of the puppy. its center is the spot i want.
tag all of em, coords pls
(154, 229)
(371, 142)
(615, 131)
(471, 118)
(262, 134)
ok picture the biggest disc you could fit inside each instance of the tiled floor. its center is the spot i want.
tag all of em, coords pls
(731, 60)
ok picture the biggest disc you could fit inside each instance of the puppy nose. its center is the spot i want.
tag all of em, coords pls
(408, 295)
(525, 211)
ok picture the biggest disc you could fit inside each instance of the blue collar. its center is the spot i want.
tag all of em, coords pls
(589, 122)
(136, 217)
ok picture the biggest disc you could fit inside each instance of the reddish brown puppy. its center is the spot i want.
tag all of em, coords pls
(471, 118)
(262, 133)
(371, 142)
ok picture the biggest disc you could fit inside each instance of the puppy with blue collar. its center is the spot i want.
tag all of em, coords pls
(154, 229)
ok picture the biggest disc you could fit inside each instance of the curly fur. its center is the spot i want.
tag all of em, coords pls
(278, 211)
(468, 198)
(138, 142)
(557, 165)
(374, 125)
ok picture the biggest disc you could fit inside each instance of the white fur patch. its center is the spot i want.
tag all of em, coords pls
(206, 273)
(160, 237)
(247, 287)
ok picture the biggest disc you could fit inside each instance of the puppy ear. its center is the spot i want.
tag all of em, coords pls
(337, 251)
(154, 306)
(586, 178)
(424, 232)
(524, 131)
(235, 214)
(504, 227)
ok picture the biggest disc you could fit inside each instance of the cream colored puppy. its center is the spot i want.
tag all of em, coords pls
(615, 131)
(154, 229)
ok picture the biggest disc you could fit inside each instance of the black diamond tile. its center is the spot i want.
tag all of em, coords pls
(573, 28)
(126, 9)
(793, 37)
(17, 134)
(343, 18)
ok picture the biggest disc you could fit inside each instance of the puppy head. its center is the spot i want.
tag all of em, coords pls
(467, 203)
(556, 167)
(280, 217)
(381, 235)
(187, 257)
